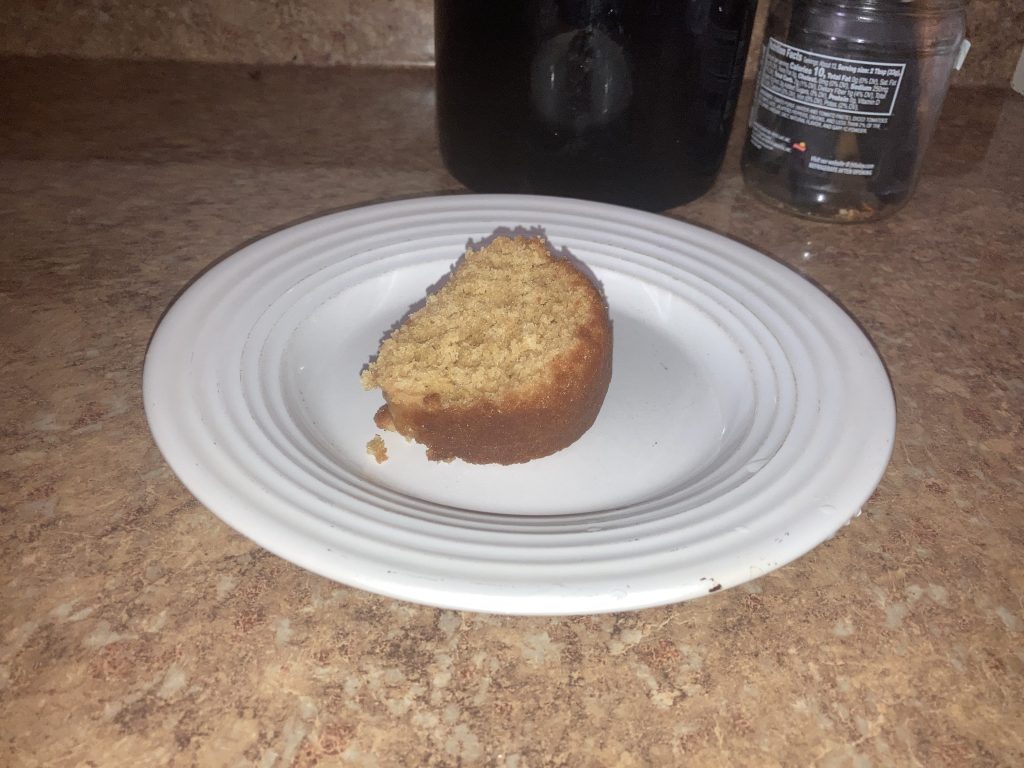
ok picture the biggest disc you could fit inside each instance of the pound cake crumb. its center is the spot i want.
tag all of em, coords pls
(377, 449)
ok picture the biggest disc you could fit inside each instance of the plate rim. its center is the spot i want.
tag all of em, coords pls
(487, 598)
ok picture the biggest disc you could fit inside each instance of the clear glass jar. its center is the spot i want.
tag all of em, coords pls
(847, 97)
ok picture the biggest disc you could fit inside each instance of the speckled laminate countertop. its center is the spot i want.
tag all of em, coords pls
(136, 629)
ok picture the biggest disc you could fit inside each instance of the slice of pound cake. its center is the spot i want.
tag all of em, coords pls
(509, 360)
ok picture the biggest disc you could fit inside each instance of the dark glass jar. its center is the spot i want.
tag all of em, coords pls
(848, 95)
(615, 100)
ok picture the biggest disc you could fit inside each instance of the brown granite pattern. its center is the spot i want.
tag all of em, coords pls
(996, 31)
(389, 32)
(137, 629)
(241, 31)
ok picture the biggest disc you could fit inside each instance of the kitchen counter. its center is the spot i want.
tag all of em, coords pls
(137, 629)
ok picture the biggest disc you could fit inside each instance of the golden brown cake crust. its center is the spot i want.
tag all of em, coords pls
(552, 419)
(528, 425)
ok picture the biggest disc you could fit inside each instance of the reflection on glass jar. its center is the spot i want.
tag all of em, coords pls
(580, 80)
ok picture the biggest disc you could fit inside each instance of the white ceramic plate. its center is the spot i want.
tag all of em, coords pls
(747, 420)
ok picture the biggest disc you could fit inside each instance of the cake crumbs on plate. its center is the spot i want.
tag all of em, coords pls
(377, 449)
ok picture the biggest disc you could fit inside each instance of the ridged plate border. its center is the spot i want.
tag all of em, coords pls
(217, 399)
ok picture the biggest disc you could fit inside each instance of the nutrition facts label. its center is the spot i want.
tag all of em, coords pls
(826, 91)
